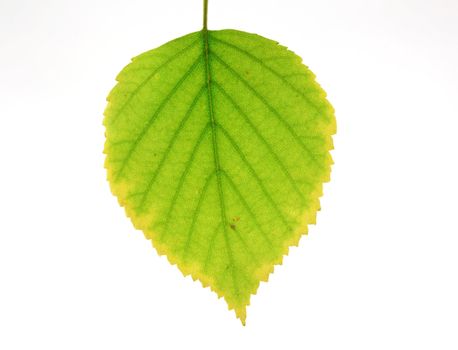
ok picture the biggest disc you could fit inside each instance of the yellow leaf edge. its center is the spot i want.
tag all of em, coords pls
(120, 191)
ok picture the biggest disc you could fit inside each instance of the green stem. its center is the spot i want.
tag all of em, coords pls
(205, 13)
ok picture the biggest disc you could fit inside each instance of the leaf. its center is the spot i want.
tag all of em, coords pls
(217, 146)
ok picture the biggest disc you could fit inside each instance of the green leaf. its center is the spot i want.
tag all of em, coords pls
(217, 146)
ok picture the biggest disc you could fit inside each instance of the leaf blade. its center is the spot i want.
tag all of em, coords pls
(217, 147)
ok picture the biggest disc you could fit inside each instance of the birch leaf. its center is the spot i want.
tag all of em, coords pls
(217, 146)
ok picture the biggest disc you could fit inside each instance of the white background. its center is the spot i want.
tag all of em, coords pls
(379, 271)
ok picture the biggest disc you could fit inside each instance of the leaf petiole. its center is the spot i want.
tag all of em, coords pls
(205, 14)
